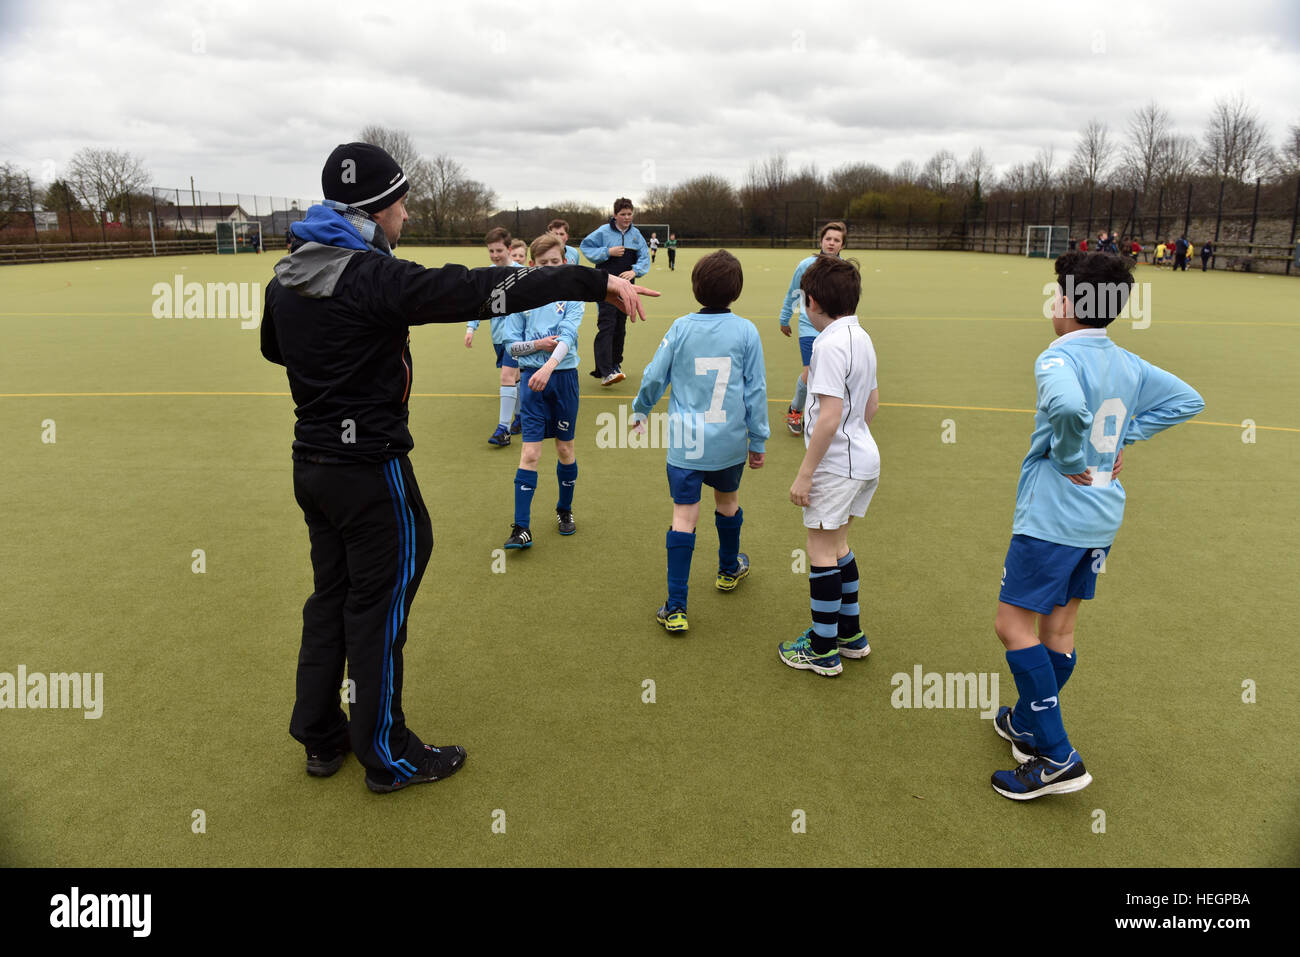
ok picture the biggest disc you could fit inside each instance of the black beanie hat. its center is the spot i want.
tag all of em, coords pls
(363, 176)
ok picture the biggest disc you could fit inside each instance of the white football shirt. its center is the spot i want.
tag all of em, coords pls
(844, 365)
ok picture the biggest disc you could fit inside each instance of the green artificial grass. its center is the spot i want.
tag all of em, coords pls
(539, 672)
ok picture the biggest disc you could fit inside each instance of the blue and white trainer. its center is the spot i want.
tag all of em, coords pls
(1041, 775)
(1022, 742)
(799, 654)
(855, 647)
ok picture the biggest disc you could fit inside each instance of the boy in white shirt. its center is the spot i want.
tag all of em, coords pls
(840, 467)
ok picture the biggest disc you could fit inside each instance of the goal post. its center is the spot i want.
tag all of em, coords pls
(239, 237)
(1045, 242)
(653, 229)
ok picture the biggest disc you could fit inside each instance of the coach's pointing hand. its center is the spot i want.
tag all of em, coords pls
(627, 297)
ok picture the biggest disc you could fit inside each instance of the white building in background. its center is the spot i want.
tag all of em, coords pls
(200, 219)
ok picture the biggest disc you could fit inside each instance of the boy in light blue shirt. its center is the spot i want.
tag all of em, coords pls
(831, 238)
(544, 341)
(717, 420)
(1093, 399)
(498, 247)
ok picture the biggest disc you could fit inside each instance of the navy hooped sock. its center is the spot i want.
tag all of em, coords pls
(567, 476)
(525, 486)
(680, 546)
(728, 539)
(849, 622)
(824, 591)
(1036, 681)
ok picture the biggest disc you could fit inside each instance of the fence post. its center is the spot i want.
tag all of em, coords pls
(1087, 230)
(1218, 215)
(1160, 214)
(1187, 217)
(907, 238)
(67, 203)
(1295, 212)
(1069, 221)
(1110, 217)
(1254, 218)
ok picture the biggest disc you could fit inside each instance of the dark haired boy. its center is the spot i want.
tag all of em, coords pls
(617, 248)
(841, 464)
(717, 419)
(1093, 399)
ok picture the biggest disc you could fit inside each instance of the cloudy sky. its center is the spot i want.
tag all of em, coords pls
(566, 100)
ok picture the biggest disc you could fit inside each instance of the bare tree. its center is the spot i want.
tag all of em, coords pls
(706, 206)
(1288, 157)
(768, 177)
(1019, 178)
(977, 172)
(940, 171)
(907, 172)
(1042, 171)
(106, 179)
(1176, 160)
(396, 143)
(1235, 145)
(1139, 160)
(1091, 160)
(446, 200)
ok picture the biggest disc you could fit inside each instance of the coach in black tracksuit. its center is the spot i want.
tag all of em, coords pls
(337, 317)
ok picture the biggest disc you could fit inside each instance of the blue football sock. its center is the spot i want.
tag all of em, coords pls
(525, 486)
(1036, 681)
(800, 394)
(849, 623)
(1063, 666)
(509, 399)
(825, 594)
(728, 539)
(680, 546)
(567, 475)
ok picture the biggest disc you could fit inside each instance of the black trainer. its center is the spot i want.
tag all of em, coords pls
(328, 760)
(564, 518)
(441, 762)
(520, 537)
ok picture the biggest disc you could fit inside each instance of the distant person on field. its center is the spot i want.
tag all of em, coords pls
(1207, 251)
(1094, 398)
(1180, 253)
(840, 468)
(831, 239)
(654, 246)
(672, 251)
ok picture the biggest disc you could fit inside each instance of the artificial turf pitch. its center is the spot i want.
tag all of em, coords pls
(173, 435)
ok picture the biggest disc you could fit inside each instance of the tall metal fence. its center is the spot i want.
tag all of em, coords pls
(161, 220)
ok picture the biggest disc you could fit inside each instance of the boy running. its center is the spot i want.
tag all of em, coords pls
(545, 342)
(832, 241)
(1093, 399)
(498, 247)
(717, 415)
(840, 468)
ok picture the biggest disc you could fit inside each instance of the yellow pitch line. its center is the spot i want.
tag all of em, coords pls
(601, 395)
(865, 319)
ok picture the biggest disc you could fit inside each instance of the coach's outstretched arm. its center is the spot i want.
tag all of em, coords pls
(406, 293)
